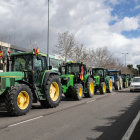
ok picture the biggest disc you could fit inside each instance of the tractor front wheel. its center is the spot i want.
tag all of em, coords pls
(18, 100)
(53, 92)
(77, 91)
(124, 84)
(102, 89)
(120, 83)
(110, 85)
(90, 88)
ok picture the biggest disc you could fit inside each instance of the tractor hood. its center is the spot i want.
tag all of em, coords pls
(8, 79)
(12, 74)
(65, 76)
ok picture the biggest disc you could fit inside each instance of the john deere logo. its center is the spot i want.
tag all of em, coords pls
(1, 53)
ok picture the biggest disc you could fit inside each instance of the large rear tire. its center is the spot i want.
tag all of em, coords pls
(77, 92)
(90, 88)
(103, 88)
(124, 84)
(53, 91)
(18, 100)
(110, 85)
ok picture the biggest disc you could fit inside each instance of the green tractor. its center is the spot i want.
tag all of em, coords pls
(29, 81)
(130, 78)
(75, 80)
(103, 82)
(125, 80)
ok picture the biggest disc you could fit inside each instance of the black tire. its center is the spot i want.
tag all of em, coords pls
(116, 85)
(18, 100)
(54, 101)
(90, 88)
(77, 92)
(124, 84)
(110, 85)
(103, 88)
(130, 90)
(120, 83)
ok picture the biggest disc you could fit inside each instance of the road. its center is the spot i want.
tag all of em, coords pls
(103, 117)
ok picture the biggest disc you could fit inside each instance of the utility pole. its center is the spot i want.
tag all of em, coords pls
(48, 39)
(125, 61)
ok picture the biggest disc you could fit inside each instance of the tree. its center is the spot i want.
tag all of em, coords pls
(65, 45)
(80, 53)
(130, 66)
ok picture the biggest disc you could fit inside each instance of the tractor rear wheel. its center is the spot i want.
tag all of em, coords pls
(116, 85)
(124, 84)
(18, 100)
(110, 85)
(77, 91)
(53, 91)
(103, 89)
(90, 88)
(120, 83)
(127, 84)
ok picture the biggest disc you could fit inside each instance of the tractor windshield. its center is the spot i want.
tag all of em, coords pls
(97, 72)
(22, 63)
(114, 73)
(72, 68)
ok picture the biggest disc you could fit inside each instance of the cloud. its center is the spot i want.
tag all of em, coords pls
(88, 20)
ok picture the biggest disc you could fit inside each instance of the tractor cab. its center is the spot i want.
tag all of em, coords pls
(115, 74)
(78, 70)
(102, 72)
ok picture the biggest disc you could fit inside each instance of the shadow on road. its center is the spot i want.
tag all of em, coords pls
(118, 125)
(3, 112)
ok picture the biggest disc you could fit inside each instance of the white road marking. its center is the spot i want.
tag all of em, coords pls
(25, 121)
(91, 101)
(113, 93)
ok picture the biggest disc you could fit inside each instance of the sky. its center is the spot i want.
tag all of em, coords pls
(96, 23)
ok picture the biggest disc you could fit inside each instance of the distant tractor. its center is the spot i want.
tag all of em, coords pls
(125, 80)
(117, 80)
(75, 80)
(29, 81)
(130, 78)
(103, 82)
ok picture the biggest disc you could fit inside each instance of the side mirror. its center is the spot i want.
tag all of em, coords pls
(50, 67)
(39, 57)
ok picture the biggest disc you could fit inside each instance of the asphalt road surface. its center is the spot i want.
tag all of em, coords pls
(103, 117)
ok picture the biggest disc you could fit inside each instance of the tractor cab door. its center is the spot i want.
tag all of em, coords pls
(39, 68)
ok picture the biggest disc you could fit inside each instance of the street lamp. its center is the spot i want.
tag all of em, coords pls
(48, 39)
(125, 61)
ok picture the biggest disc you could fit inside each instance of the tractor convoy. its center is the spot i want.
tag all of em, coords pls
(29, 80)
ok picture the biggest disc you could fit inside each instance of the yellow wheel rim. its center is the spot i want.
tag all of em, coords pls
(127, 83)
(80, 92)
(54, 91)
(91, 88)
(111, 85)
(104, 88)
(23, 100)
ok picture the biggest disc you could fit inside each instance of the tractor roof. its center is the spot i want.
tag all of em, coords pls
(102, 68)
(113, 70)
(26, 53)
(69, 63)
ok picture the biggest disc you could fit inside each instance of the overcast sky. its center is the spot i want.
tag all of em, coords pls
(95, 23)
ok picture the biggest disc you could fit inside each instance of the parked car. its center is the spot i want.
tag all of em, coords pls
(135, 85)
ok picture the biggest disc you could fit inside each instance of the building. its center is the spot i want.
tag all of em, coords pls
(54, 60)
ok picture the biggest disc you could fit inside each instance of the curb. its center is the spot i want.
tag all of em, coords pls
(131, 128)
